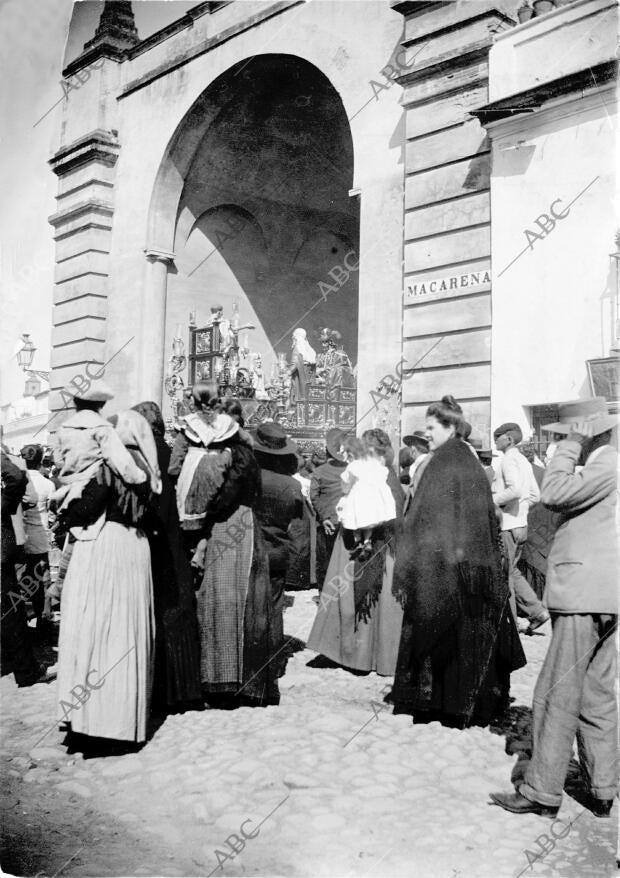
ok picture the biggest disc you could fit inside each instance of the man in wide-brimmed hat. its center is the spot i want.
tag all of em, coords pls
(326, 489)
(575, 693)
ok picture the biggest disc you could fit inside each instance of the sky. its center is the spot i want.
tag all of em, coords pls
(35, 49)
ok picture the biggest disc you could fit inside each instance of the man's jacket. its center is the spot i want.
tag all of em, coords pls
(582, 572)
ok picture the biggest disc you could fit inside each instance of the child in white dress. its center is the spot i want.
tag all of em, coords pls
(368, 500)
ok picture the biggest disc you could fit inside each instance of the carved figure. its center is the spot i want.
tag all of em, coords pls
(303, 365)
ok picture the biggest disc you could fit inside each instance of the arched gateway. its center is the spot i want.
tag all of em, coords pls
(254, 154)
(252, 211)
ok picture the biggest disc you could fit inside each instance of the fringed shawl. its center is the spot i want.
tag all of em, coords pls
(448, 563)
(368, 575)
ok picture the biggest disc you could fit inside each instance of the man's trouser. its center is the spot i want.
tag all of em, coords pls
(38, 571)
(523, 599)
(575, 694)
(16, 646)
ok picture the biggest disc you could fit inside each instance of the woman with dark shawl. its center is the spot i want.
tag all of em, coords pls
(459, 642)
(358, 620)
(235, 607)
(177, 645)
(279, 505)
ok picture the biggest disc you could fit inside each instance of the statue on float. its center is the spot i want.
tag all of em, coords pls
(333, 367)
(257, 377)
(303, 365)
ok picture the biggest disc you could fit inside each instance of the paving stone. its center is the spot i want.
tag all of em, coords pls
(70, 786)
(23, 762)
(398, 799)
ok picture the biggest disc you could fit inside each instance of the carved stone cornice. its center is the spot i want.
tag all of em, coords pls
(533, 98)
(90, 207)
(99, 145)
(154, 254)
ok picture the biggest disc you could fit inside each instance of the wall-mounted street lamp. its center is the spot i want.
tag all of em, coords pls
(25, 356)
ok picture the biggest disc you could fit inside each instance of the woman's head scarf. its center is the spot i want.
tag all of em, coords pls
(134, 431)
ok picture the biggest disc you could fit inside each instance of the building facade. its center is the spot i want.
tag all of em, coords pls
(552, 119)
(340, 164)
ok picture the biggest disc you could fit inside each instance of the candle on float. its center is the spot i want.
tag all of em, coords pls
(235, 315)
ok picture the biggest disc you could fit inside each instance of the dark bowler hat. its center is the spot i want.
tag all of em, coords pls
(333, 442)
(593, 411)
(271, 439)
(418, 439)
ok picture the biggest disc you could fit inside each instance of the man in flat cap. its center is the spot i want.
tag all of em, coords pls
(514, 490)
(576, 691)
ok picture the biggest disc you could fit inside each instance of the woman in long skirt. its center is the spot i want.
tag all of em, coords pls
(358, 620)
(459, 642)
(177, 644)
(235, 607)
(107, 627)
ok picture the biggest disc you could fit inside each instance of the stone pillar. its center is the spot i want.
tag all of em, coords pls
(82, 231)
(85, 159)
(153, 355)
(447, 250)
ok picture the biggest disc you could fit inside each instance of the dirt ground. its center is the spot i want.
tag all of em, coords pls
(326, 784)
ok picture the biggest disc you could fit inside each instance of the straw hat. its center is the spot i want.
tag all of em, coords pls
(591, 411)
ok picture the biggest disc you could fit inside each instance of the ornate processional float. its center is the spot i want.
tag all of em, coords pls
(308, 395)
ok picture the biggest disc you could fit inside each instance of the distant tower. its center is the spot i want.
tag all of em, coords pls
(33, 385)
(117, 28)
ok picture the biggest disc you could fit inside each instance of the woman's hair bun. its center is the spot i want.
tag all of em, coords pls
(450, 402)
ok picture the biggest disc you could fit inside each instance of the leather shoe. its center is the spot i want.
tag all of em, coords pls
(518, 804)
(537, 623)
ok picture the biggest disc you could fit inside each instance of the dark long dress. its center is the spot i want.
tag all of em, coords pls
(280, 502)
(458, 642)
(177, 644)
(17, 655)
(236, 611)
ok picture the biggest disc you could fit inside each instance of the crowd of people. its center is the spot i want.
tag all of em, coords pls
(176, 561)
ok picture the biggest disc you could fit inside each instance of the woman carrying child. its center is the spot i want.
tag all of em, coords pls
(358, 620)
(107, 623)
(368, 500)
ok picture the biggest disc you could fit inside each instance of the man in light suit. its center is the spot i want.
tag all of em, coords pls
(514, 490)
(575, 693)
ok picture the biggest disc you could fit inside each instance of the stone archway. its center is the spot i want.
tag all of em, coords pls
(251, 203)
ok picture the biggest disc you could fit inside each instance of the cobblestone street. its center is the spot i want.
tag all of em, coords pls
(342, 788)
